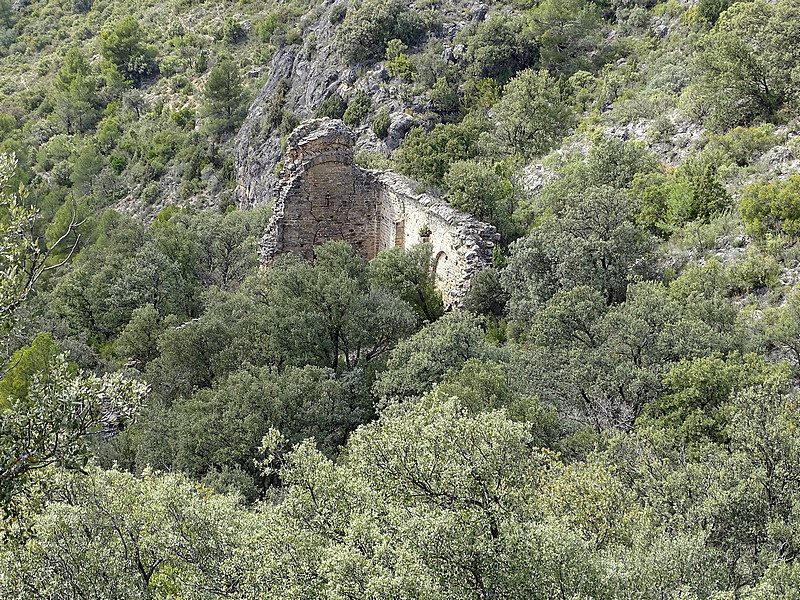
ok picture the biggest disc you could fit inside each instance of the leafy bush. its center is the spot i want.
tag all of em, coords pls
(358, 109)
(397, 61)
(25, 364)
(670, 199)
(232, 31)
(427, 155)
(289, 121)
(747, 63)
(370, 24)
(334, 107)
(444, 97)
(588, 239)
(499, 47)
(118, 163)
(754, 272)
(532, 117)
(742, 144)
(710, 10)
(183, 117)
(225, 94)
(380, 124)
(772, 208)
(269, 25)
(568, 34)
(126, 48)
(338, 13)
(476, 188)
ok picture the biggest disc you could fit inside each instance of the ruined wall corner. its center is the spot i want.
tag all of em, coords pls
(324, 196)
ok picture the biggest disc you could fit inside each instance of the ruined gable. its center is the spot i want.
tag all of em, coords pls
(324, 196)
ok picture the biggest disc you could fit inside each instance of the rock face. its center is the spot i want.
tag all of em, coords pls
(305, 73)
(297, 83)
(324, 196)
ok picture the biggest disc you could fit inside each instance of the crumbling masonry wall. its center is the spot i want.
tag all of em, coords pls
(324, 196)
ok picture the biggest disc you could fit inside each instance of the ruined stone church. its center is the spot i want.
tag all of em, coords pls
(324, 196)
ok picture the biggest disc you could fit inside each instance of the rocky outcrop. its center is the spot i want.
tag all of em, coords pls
(302, 75)
(299, 80)
(324, 196)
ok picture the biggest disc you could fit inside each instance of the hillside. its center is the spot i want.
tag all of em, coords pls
(609, 409)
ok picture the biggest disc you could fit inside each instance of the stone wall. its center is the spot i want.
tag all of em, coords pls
(324, 196)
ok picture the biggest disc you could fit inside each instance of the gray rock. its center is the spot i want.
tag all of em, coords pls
(399, 125)
(298, 83)
(380, 75)
(450, 30)
(777, 154)
(478, 13)
(350, 76)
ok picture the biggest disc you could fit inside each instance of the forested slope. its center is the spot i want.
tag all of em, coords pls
(613, 415)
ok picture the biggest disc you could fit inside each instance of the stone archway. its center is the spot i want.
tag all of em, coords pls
(441, 267)
(400, 234)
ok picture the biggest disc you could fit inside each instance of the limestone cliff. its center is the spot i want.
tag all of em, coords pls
(299, 80)
(303, 75)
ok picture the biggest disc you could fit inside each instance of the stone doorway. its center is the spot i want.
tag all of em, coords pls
(400, 234)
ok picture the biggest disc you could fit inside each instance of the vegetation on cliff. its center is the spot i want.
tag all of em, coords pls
(613, 415)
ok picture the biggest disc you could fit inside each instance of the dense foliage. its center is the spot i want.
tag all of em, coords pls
(612, 415)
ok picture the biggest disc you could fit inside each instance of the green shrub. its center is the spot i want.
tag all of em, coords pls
(532, 116)
(444, 97)
(293, 36)
(499, 47)
(397, 62)
(707, 197)
(125, 47)
(772, 208)
(183, 117)
(475, 188)
(357, 110)
(289, 121)
(118, 163)
(338, 13)
(232, 31)
(710, 10)
(427, 155)
(754, 272)
(26, 364)
(370, 24)
(334, 107)
(568, 34)
(662, 129)
(274, 112)
(482, 94)
(150, 193)
(266, 28)
(671, 199)
(380, 124)
(372, 160)
(742, 144)
(747, 64)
